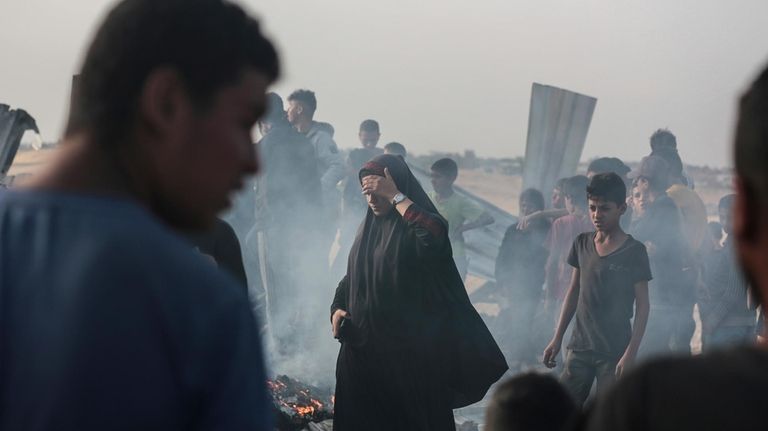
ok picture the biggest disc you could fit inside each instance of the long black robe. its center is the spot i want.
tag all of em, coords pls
(421, 348)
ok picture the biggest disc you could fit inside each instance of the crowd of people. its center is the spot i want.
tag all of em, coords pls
(128, 302)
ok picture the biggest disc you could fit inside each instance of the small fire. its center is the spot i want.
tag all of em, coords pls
(298, 401)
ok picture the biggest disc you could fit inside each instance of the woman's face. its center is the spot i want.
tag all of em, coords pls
(379, 205)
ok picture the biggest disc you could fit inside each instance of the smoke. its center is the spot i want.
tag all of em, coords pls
(286, 244)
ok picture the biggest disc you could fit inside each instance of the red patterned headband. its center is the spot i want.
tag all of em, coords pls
(371, 168)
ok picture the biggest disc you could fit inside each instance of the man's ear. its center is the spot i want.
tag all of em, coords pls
(162, 101)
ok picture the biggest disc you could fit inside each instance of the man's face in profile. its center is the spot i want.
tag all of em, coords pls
(294, 112)
(213, 153)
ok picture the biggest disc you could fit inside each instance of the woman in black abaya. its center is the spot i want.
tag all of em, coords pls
(412, 345)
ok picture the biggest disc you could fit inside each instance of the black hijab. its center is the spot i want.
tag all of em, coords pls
(406, 293)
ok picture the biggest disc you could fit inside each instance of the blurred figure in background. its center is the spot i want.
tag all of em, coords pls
(692, 208)
(353, 205)
(658, 225)
(520, 277)
(728, 313)
(531, 402)
(557, 200)
(302, 105)
(285, 246)
(396, 149)
(462, 214)
(716, 234)
(560, 239)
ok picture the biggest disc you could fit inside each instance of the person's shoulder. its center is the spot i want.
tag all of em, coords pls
(633, 243)
(719, 390)
(708, 370)
(582, 240)
(320, 133)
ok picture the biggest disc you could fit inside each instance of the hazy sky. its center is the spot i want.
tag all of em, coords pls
(454, 75)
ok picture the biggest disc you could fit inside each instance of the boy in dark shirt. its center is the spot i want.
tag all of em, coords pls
(611, 274)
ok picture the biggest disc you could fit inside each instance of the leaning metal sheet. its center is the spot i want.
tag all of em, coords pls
(558, 123)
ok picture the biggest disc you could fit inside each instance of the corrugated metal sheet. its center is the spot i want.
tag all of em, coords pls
(558, 123)
(13, 124)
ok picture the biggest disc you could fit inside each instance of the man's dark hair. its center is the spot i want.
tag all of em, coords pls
(751, 147)
(209, 43)
(531, 402)
(672, 157)
(576, 189)
(371, 126)
(533, 196)
(396, 148)
(306, 98)
(275, 113)
(663, 138)
(609, 164)
(447, 167)
(608, 186)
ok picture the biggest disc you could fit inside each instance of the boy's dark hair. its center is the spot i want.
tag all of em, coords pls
(751, 147)
(560, 184)
(533, 196)
(209, 43)
(396, 148)
(447, 167)
(726, 202)
(608, 186)
(531, 402)
(371, 126)
(275, 112)
(576, 189)
(609, 164)
(306, 98)
(663, 138)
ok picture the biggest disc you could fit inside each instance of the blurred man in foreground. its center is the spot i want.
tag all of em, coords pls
(108, 319)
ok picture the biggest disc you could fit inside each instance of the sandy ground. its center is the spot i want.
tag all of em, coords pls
(30, 161)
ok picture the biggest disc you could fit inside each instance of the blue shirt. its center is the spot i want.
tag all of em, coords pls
(109, 321)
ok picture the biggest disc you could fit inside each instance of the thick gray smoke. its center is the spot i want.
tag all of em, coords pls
(286, 249)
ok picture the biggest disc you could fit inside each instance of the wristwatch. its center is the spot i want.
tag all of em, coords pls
(398, 198)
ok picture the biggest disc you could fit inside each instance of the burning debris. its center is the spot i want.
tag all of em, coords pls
(298, 405)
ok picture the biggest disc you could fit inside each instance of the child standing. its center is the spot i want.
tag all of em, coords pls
(610, 278)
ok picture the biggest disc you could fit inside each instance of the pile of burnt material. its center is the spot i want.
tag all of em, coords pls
(301, 407)
(297, 405)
